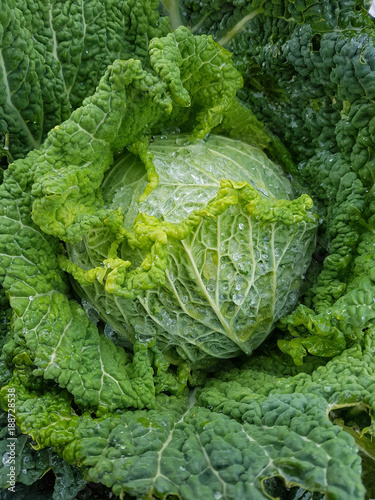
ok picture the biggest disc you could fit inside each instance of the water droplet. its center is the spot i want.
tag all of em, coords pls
(237, 256)
(237, 299)
(109, 331)
(241, 226)
(31, 297)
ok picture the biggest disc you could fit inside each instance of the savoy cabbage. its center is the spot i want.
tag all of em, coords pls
(142, 154)
(219, 286)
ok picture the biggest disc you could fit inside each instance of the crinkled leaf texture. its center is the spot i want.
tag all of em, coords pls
(231, 278)
(52, 55)
(31, 465)
(265, 420)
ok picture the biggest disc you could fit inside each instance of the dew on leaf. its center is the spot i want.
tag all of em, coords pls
(237, 299)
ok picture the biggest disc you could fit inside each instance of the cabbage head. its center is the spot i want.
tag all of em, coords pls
(231, 265)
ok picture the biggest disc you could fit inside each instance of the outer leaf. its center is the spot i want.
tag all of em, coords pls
(327, 333)
(251, 424)
(21, 116)
(53, 53)
(79, 39)
(31, 465)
